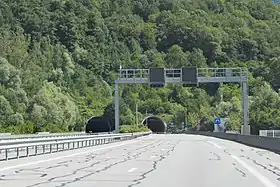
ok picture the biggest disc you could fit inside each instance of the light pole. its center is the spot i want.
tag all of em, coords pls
(221, 93)
(185, 119)
(136, 111)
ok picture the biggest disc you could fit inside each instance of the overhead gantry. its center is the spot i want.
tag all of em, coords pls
(187, 76)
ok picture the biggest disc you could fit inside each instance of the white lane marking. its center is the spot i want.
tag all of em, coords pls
(153, 156)
(216, 145)
(132, 169)
(58, 158)
(260, 177)
(163, 149)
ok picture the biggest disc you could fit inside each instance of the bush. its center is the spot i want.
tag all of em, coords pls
(133, 128)
(78, 127)
(53, 129)
(26, 128)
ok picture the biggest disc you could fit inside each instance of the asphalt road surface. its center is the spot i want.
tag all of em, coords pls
(153, 161)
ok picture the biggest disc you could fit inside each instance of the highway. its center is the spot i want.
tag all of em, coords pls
(152, 161)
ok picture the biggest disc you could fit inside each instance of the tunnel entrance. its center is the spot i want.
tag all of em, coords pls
(99, 124)
(155, 124)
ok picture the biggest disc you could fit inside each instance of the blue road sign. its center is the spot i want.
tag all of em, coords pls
(217, 121)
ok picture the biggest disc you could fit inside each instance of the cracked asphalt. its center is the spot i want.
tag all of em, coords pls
(157, 160)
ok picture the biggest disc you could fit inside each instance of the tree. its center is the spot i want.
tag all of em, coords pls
(54, 107)
(176, 58)
(5, 111)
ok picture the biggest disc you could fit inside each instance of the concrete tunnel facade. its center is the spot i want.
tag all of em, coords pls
(99, 124)
(155, 124)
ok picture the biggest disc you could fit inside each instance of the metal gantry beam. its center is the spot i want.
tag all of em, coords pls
(245, 107)
(204, 75)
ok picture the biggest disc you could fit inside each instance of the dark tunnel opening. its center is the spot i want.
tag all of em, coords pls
(100, 124)
(155, 124)
(106, 124)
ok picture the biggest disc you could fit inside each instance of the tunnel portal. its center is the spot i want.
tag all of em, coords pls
(155, 124)
(99, 124)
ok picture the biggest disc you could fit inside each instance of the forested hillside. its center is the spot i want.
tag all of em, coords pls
(59, 59)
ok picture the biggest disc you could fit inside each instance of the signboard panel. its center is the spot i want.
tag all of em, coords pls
(156, 76)
(220, 124)
(189, 76)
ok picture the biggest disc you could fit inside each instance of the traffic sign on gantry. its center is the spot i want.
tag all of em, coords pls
(157, 77)
(187, 76)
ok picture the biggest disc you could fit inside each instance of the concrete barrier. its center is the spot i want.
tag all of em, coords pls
(43, 133)
(5, 134)
(267, 143)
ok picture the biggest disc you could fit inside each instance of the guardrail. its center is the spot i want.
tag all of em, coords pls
(267, 143)
(49, 139)
(9, 152)
(32, 136)
(270, 133)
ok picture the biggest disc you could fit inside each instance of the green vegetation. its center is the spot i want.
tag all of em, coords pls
(59, 58)
(133, 128)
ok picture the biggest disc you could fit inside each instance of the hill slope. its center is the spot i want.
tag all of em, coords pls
(59, 59)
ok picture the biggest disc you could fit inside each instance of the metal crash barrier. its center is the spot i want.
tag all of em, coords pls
(8, 152)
